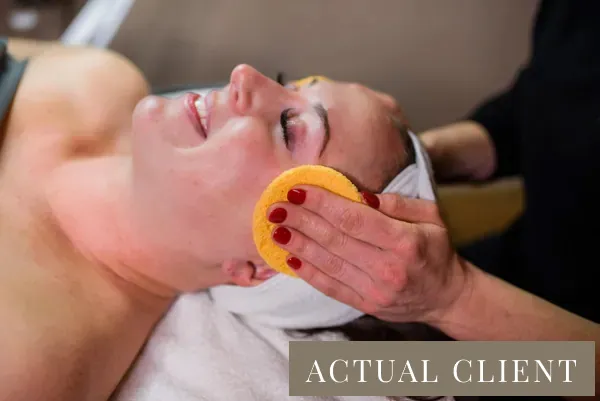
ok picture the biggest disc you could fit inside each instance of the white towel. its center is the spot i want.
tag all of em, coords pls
(200, 352)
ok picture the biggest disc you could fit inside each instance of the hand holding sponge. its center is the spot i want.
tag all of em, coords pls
(276, 191)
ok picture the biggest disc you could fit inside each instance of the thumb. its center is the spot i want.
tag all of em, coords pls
(409, 209)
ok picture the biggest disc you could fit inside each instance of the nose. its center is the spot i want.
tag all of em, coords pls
(252, 93)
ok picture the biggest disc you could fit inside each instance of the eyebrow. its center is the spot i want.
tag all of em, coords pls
(324, 116)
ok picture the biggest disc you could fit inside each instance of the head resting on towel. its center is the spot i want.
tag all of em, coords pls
(200, 165)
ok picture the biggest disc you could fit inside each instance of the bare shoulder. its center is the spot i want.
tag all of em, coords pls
(77, 88)
(21, 48)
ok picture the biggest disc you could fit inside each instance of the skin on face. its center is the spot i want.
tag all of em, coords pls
(194, 190)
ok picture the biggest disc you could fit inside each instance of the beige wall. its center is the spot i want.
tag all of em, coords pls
(437, 57)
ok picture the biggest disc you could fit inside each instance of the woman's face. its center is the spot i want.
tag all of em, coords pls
(200, 164)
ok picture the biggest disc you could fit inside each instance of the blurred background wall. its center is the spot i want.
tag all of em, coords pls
(438, 58)
(37, 19)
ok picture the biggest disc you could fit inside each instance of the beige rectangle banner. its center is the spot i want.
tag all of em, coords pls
(442, 368)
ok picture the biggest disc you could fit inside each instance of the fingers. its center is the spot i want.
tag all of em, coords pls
(325, 237)
(353, 219)
(336, 277)
(408, 209)
(334, 252)
(329, 286)
(346, 283)
(393, 205)
(335, 260)
(307, 250)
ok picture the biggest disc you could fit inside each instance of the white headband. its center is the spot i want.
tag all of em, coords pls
(291, 303)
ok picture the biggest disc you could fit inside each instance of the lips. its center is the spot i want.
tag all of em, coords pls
(200, 105)
(190, 104)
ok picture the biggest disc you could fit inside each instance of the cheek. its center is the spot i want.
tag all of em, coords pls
(219, 186)
(243, 155)
(147, 123)
(235, 175)
(147, 114)
(161, 124)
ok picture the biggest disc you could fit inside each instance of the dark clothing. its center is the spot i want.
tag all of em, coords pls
(546, 128)
(11, 72)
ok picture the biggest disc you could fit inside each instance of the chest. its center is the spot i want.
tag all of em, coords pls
(42, 325)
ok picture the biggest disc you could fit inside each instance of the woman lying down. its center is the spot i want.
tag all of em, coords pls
(113, 203)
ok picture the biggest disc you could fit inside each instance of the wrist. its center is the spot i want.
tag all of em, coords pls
(462, 292)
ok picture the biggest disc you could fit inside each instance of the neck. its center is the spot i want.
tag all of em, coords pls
(96, 215)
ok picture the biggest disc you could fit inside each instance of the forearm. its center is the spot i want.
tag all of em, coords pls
(460, 150)
(493, 310)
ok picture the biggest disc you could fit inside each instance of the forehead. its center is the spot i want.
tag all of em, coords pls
(350, 107)
(363, 142)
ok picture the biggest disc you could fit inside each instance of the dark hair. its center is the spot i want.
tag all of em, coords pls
(371, 328)
(403, 129)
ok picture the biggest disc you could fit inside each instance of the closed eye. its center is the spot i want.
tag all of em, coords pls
(291, 124)
(283, 121)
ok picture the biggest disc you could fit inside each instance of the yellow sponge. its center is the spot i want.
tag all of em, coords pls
(307, 80)
(321, 176)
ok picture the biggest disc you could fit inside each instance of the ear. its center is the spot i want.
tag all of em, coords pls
(246, 273)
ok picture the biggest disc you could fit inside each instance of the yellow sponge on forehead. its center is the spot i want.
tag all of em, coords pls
(276, 191)
(309, 79)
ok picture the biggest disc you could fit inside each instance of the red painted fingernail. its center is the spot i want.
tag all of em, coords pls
(371, 199)
(294, 262)
(296, 196)
(278, 215)
(282, 235)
